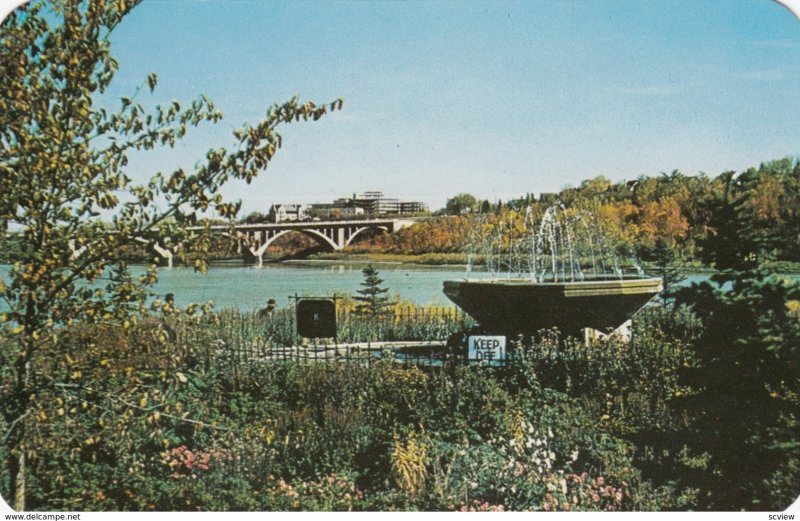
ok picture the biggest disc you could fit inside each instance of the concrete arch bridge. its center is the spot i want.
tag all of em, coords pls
(254, 239)
(335, 235)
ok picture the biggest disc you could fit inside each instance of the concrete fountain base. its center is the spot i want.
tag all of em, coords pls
(517, 306)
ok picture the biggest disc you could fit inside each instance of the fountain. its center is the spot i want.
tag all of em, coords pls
(559, 272)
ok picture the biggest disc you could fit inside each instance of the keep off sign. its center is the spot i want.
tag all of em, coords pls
(487, 348)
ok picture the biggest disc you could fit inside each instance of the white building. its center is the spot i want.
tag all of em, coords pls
(279, 213)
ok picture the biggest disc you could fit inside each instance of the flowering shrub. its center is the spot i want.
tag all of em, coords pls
(478, 506)
(529, 452)
(335, 492)
(581, 492)
(186, 463)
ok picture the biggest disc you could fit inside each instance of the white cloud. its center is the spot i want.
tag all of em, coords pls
(765, 75)
(784, 43)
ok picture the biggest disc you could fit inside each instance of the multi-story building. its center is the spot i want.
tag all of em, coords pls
(365, 203)
(407, 207)
(279, 213)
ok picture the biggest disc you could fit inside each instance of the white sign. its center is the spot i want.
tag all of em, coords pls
(487, 348)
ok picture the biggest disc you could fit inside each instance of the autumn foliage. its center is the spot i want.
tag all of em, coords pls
(671, 209)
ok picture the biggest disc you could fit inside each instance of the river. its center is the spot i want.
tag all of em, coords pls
(232, 285)
(248, 287)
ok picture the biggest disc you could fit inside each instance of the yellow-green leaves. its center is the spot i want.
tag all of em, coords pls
(152, 80)
(69, 194)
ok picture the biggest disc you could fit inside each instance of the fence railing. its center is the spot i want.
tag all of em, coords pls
(430, 354)
(419, 333)
(418, 336)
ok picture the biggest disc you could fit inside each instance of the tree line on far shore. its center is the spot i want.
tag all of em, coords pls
(650, 217)
(674, 211)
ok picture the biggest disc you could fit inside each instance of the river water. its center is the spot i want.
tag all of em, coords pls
(232, 285)
(248, 287)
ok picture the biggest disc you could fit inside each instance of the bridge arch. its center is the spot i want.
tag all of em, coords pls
(316, 234)
(163, 251)
(310, 232)
(358, 232)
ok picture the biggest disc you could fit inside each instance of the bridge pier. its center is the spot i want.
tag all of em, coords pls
(252, 256)
(164, 252)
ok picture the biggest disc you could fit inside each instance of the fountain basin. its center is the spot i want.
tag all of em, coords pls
(518, 306)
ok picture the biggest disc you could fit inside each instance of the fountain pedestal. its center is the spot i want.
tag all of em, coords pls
(516, 306)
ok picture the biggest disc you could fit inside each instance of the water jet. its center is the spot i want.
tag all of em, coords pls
(558, 273)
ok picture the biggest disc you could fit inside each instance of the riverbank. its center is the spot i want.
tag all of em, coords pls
(431, 259)
(457, 259)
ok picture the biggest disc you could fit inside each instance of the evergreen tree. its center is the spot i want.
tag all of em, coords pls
(372, 298)
(664, 256)
(729, 243)
(744, 404)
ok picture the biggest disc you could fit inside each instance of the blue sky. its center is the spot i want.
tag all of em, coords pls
(494, 98)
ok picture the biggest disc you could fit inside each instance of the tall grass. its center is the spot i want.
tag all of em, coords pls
(238, 339)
